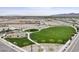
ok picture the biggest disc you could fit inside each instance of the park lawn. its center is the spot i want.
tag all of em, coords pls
(21, 42)
(58, 34)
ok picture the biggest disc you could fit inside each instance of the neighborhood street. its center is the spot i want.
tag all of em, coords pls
(74, 46)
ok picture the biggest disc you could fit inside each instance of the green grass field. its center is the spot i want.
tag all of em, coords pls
(58, 34)
(19, 41)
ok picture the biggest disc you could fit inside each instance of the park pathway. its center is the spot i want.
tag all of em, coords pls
(35, 42)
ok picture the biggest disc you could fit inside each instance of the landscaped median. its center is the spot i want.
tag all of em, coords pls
(58, 34)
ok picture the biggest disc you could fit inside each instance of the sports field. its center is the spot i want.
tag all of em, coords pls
(58, 34)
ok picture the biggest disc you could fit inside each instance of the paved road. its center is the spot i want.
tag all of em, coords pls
(5, 48)
(74, 46)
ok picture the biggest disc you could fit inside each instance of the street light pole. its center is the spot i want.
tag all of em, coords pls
(31, 48)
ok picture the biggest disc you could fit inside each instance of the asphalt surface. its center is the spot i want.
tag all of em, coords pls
(5, 48)
(74, 47)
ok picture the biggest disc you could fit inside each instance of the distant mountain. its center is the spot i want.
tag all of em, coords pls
(67, 15)
(40, 17)
(70, 14)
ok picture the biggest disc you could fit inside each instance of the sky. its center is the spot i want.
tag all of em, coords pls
(37, 11)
